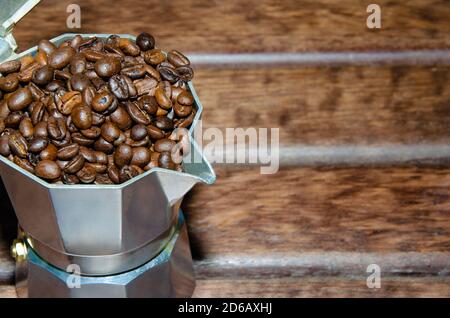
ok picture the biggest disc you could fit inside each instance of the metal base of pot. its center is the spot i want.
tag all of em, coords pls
(170, 274)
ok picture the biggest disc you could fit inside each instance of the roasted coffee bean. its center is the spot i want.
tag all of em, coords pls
(46, 46)
(165, 161)
(123, 155)
(81, 140)
(163, 145)
(9, 83)
(9, 67)
(62, 143)
(97, 119)
(4, 146)
(61, 57)
(43, 75)
(101, 157)
(185, 98)
(128, 172)
(70, 179)
(91, 133)
(138, 115)
(69, 101)
(82, 117)
(104, 146)
(164, 123)
(107, 66)
(103, 179)
(154, 57)
(68, 152)
(119, 87)
(138, 132)
(110, 132)
(141, 156)
(2, 125)
(4, 110)
(168, 73)
(26, 75)
(74, 165)
(129, 47)
(13, 119)
(24, 164)
(26, 128)
(104, 102)
(49, 153)
(154, 132)
(185, 73)
(181, 110)
(54, 85)
(18, 145)
(78, 64)
(38, 112)
(177, 59)
(87, 174)
(113, 174)
(145, 86)
(163, 100)
(187, 121)
(98, 167)
(79, 82)
(47, 169)
(145, 41)
(20, 99)
(134, 71)
(40, 130)
(56, 127)
(88, 154)
(148, 103)
(38, 144)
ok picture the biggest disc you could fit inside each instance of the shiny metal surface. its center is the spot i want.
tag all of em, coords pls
(102, 220)
(170, 274)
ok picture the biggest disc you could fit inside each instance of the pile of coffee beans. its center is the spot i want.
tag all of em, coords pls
(95, 110)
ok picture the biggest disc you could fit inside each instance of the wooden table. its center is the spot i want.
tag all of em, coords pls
(365, 171)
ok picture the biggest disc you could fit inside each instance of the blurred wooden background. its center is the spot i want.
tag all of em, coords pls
(365, 171)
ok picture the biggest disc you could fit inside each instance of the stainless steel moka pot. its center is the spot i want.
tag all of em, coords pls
(126, 240)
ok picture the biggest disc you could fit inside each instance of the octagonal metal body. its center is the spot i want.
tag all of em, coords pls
(170, 274)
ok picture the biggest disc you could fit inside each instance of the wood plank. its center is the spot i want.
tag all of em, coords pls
(252, 25)
(323, 287)
(311, 287)
(331, 105)
(306, 210)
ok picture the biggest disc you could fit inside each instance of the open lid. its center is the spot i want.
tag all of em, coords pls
(11, 12)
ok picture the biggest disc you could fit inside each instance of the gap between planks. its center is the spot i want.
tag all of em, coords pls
(345, 155)
(349, 264)
(376, 58)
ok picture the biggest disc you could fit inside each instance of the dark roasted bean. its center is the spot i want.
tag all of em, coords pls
(68, 152)
(61, 57)
(138, 115)
(43, 75)
(154, 57)
(107, 66)
(123, 155)
(47, 169)
(163, 145)
(87, 174)
(82, 117)
(24, 164)
(56, 128)
(74, 165)
(18, 145)
(177, 59)
(38, 144)
(20, 99)
(163, 123)
(141, 156)
(145, 41)
(9, 83)
(9, 67)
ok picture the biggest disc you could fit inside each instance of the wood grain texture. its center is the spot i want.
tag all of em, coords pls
(321, 210)
(323, 287)
(251, 25)
(331, 106)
